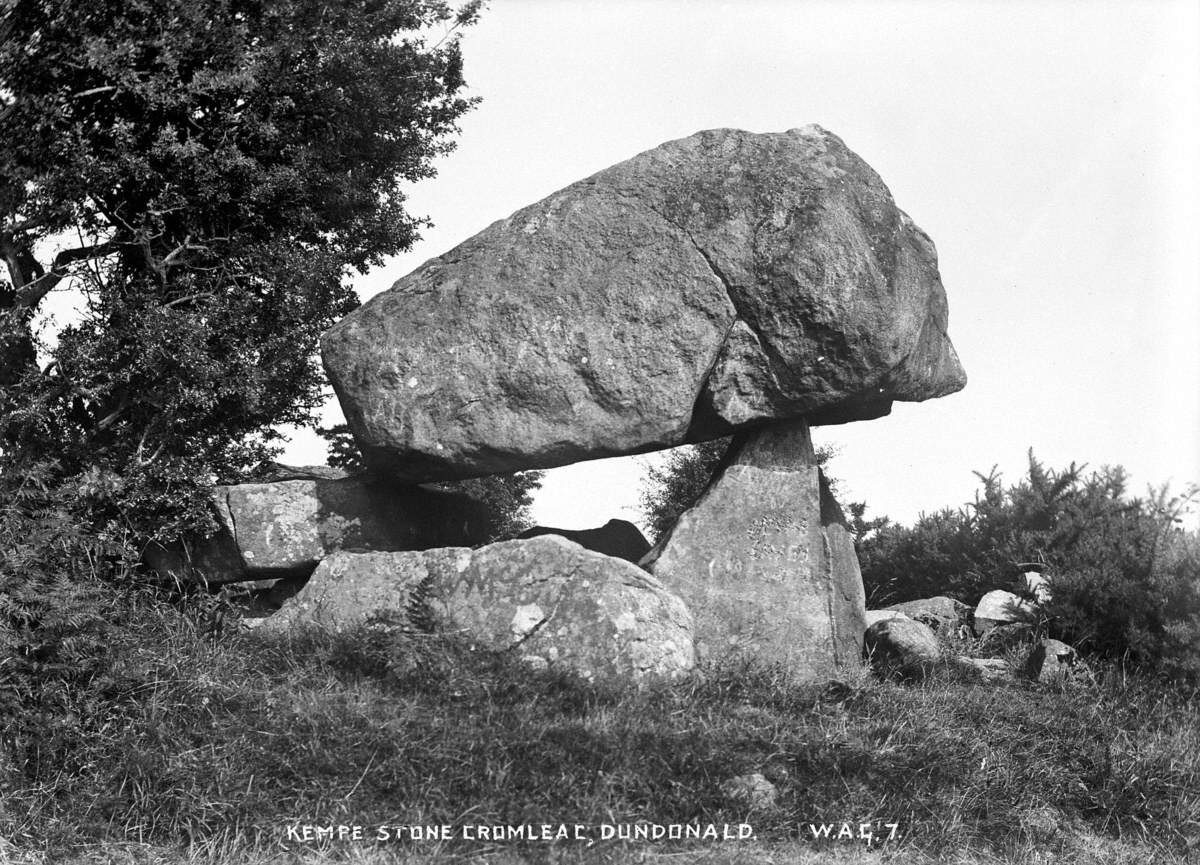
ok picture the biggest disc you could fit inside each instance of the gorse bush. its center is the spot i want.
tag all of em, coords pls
(1125, 574)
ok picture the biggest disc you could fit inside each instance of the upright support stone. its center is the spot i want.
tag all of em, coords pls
(765, 561)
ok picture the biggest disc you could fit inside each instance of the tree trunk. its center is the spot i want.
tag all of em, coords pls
(17, 352)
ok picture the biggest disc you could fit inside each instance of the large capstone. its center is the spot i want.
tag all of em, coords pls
(713, 284)
(765, 562)
(547, 599)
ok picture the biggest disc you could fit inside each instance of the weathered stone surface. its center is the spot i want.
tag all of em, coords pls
(1033, 584)
(902, 646)
(1052, 661)
(753, 791)
(1002, 608)
(565, 605)
(548, 599)
(709, 285)
(348, 587)
(943, 614)
(765, 562)
(618, 538)
(270, 472)
(873, 616)
(200, 560)
(984, 669)
(284, 528)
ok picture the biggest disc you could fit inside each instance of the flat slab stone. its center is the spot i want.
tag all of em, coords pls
(712, 284)
(283, 528)
(766, 563)
(902, 646)
(999, 608)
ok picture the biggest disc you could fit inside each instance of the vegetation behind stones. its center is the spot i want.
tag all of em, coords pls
(1125, 572)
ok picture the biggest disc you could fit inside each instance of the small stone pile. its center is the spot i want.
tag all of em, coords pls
(909, 640)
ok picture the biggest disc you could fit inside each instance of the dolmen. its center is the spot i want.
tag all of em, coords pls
(724, 284)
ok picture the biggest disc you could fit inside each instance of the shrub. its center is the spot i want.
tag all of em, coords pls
(1123, 572)
(671, 488)
(506, 497)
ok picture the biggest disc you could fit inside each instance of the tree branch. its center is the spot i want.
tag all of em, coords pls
(8, 249)
(30, 293)
(93, 91)
(21, 225)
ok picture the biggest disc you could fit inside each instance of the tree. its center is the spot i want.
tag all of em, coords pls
(674, 486)
(204, 173)
(671, 488)
(507, 497)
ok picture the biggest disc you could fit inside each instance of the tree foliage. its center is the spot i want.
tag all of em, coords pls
(674, 486)
(204, 174)
(507, 497)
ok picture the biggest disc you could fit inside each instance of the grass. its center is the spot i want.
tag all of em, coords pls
(191, 746)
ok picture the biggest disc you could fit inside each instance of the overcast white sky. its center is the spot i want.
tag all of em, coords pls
(1050, 149)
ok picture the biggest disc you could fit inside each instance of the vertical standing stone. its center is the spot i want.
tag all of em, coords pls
(765, 562)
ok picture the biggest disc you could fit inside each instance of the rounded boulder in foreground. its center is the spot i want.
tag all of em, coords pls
(902, 647)
(546, 599)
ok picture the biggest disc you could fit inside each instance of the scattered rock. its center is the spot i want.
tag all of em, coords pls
(284, 528)
(1032, 584)
(1052, 661)
(710, 285)
(618, 538)
(1002, 608)
(944, 615)
(765, 562)
(873, 616)
(546, 598)
(903, 647)
(1042, 823)
(1000, 639)
(985, 669)
(752, 791)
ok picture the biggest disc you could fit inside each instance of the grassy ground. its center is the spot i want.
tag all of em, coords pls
(194, 747)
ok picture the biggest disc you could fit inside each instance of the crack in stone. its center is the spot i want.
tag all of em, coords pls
(532, 631)
(827, 567)
(720, 275)
(563, 590)
(233, 530)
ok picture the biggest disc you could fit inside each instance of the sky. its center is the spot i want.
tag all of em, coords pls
(1050, 149)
